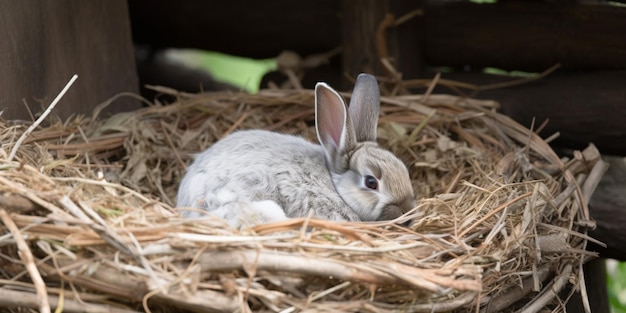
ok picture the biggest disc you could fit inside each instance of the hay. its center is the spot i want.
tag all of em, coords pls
(87, 207)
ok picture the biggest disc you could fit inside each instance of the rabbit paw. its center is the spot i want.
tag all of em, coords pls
(240, 212)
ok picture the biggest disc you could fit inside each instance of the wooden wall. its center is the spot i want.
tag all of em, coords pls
(45, 42)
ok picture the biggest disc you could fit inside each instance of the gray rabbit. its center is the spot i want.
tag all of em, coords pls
(256, 176)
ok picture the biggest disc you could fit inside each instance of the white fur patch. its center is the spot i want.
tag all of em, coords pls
(225, 195)
(239, 212)
(269, 211)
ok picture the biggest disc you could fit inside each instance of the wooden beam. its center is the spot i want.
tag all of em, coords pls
(360, 22)
(608, 208)
(525, 35)
(583, 107)
(257, 29)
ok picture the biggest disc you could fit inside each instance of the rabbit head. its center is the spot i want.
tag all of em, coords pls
(370, 179)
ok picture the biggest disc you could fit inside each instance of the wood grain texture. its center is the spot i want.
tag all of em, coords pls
(525, 35)
(257, 29)
(46, 42)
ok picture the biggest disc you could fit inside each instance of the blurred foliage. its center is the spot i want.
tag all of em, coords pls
(496, 71)
(242, 72)
(616, 281)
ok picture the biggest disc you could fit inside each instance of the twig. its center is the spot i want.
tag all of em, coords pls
(171, 144)
(328, 291)
(288, 263)
(30, 112)
(446, 306)
(32, 196)
(25, 299)
(409, 16)
(29, 261)
(103, 105)
(431, 87)
(425, 279)
(584, 294)
(228, 239)
(316, 296)
(522, 81)
(197, 302)
(17, 204)
(293, 78)
(550, 291)
(593, 179)
(237, 123)
(512, 295)
(41, 118)
(106, 184)
(493, 212)
(381, 37)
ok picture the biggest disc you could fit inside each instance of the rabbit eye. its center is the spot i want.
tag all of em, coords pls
(371, 182)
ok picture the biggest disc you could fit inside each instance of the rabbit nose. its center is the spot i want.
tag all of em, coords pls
(390, 212)
(393, 211)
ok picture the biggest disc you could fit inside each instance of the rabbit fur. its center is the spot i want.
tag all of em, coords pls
(257, 176)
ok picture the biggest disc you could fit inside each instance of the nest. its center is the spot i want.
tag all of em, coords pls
(88, 222)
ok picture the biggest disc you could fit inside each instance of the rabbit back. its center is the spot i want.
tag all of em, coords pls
(256, 166)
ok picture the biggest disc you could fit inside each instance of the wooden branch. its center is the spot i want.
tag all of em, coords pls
(288, 263)
(17, 204)
(27, 258)
(551, 291)
(376, 274)
(506, 299)
(25, 299)
(41, 118)
(109, 280)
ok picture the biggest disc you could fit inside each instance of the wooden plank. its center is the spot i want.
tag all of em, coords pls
(608, 208)
(258, 29)
(361, 19)
(583, 107)
(525, 35)
(46, 42)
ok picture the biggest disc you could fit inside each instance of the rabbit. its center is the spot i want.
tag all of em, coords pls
(258, 176)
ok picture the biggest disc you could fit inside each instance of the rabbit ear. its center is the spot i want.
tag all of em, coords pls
(334, 127)
(365, 107)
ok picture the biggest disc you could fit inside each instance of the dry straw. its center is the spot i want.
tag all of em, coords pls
(87, 206)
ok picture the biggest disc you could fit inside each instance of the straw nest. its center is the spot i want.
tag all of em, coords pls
(88, 224)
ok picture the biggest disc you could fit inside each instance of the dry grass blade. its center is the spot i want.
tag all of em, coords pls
(41, 118)
(29, 261)
(24, 299)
